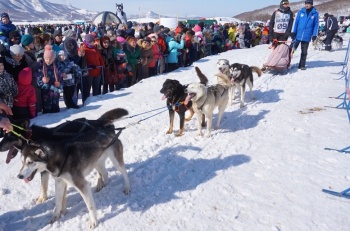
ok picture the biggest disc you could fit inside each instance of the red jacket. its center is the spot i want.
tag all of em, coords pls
(156, 54)
(26, 93)
(93, 58)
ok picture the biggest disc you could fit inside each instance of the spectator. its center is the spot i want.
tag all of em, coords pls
(14, 38)
(281, 22)
(95, 62)
(162, 47)
(331, 27)
(110, 74)
(24, 106)
(57, 41)
(8, 86)
(173, 45)
(133, 54)
(6, 27)
(304, 29)
(50, 82)
(146, 56)
(152, 66)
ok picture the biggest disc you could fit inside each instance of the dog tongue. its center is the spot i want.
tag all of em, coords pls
(164, 97)
(26, 180)
(188, 98)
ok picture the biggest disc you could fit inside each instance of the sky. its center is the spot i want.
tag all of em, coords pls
(202, 8)
(263, 169)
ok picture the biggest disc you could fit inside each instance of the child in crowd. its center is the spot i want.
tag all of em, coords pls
(24, 106)
(8, 86)
(71, 75)
(123, 69)
(50, 82)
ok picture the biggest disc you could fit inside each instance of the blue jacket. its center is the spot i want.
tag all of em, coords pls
(305, 26)
(172, 48)
(5, 30)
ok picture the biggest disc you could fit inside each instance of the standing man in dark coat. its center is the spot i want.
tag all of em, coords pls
(331, 28)
(281, 22)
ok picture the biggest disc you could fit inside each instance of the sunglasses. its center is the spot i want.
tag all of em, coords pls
(285, 3)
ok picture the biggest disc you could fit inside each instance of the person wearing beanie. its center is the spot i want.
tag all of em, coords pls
(281, 22)
(71, 74)
(95, 63)
(16, 50)
(172, 48)
(8, 86)
(57, 41)
(6, 27)
(24, 106)
(14, 37)
(129, 31)
(26, 40)
(50, 82)
(133, 55)
(305, 29)
(331, 28)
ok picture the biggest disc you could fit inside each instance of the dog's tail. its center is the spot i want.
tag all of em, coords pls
(203, 79)
(256, 70)
(114, 114)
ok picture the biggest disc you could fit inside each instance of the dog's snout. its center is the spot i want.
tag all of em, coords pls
(20, 176)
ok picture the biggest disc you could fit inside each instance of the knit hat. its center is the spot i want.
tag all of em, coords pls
(89, 38)
(61, 52)
(129, 24)
(13, 34)
(5, 15)
(309, 2)
(49, 53)
(36, 30)
(284, 2)
(156, 28)
(26, 40)
(57, 33)
(326, 15)
(16, 50)
(197, 28)
(70, 46)
(68, 33)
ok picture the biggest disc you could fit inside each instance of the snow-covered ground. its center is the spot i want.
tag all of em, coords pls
(264, 169)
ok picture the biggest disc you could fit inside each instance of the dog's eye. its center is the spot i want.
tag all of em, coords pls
(30, 162)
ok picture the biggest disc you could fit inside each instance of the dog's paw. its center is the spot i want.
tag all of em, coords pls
(127, 190)
(93, 223)
(100, 185)
(54, 218)
(179, 134)
(169, 132)
(241, 105)
(207, 135)
(199, 134)
(41, 199)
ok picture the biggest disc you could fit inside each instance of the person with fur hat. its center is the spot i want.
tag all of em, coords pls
(305, 29)
(133, 55)
(95, 63)
(281, 22)
(6, 27)
(50, 82)
(331, 28)
(8, 86)
(146, 56)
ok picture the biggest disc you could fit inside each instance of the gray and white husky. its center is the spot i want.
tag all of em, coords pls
(69, 161)
(206, 99)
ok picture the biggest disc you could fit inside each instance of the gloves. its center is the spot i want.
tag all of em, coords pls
(313, 38)
(292, 35)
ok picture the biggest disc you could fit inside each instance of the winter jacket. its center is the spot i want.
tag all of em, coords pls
(305, 26)
(156, 54)
(147, 57)
(93, 60)
(232, 34)
(133, 55)
(8, 89)
(26, 97)
(281, 23)
(331, 23)
(172, 49)
(5, 30)
(70, 68)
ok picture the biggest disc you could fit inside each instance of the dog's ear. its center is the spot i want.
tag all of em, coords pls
(40, 153)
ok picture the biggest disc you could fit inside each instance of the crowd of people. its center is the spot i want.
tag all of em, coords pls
(39, 64)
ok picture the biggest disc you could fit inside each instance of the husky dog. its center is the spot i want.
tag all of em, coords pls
(205, 100)
(242, 75)
(223, 66)
(63, 131)
(69, 161)
(175, 94)
(120, 13)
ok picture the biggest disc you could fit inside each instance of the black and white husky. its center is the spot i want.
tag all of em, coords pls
(69, 161)
(241, 76)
